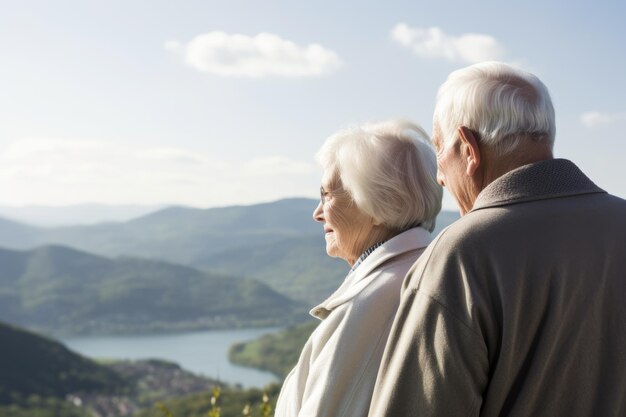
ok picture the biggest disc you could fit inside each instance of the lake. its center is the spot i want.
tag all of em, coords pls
(203, 353)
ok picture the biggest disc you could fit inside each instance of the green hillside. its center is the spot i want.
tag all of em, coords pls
(277, 243)
(61, 290)
(277, 352)
(231, 403)
(36, 406)
(34, 365)
(41, 378)
(296, 267)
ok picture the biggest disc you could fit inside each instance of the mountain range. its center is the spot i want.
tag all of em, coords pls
(177, 268)
(60, 290)
(177, 234)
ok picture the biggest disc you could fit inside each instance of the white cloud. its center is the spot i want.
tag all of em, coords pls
(263, 55)
(433, 43)
(593, 119)
(60, 172)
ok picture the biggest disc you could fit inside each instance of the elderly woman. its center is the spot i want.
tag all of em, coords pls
(379, 200)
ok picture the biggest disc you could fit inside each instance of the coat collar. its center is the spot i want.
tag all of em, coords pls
(356, 281)
(538, 181)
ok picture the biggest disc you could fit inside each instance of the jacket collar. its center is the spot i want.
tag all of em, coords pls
(357, 280)
(538, 181)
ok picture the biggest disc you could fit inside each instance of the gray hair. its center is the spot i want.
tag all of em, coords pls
(505, 105)
(390, 171)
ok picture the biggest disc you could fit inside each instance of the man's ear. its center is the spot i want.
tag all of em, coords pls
(470, 150)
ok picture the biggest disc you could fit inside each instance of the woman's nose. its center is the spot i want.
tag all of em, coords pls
(318, 214)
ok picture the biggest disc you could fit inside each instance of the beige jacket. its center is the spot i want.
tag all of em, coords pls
(337, 369)
(517, 309)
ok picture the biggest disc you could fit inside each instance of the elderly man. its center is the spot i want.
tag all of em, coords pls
(518, 308)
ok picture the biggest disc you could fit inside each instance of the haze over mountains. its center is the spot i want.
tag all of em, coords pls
(82, 214)
(178, 234)
(178, 267)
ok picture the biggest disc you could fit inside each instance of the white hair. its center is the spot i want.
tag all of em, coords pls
(390, 171)
(505, 105)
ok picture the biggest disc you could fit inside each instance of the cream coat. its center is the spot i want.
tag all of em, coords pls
(337, 369)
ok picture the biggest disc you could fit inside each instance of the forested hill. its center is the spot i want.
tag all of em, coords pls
(64, 291)
(179, 234)
(276, 352)
(277, 243)
(32, 364)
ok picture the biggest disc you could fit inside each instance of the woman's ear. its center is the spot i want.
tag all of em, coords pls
(470, 150)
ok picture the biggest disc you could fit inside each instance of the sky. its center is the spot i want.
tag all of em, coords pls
(214, 103)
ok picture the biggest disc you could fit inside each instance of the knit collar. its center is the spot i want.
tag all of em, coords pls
(365, 254)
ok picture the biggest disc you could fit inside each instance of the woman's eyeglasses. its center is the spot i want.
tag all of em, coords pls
(324, 195)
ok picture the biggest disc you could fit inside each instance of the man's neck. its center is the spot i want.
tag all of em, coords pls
(494, 167)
